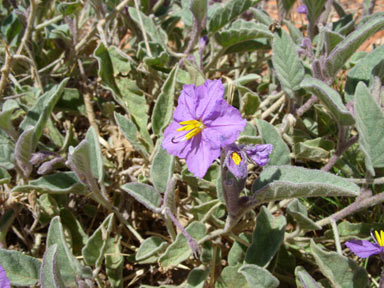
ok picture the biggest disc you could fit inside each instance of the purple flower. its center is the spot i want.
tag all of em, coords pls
(4, 281)
(302, 9)
(364, 248)
(237, 156)
(203, 122)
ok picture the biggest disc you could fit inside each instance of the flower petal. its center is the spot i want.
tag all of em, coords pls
(227, 125)
(209, 96)
(187, 102)
(259, 153)
(201, 156)
(173, 141)
(363, 248)
(4, 281)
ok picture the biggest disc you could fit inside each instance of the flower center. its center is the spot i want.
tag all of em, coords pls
(380, 238)
(236, 158)
(193, 126)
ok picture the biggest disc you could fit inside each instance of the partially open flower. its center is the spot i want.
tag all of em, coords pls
(237, 156)
(203, 122)
(364, 248)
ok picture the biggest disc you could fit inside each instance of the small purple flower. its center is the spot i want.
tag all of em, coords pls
(237, 156)
(302, 9)
(4, 281)
(364, 248)
(203, 122)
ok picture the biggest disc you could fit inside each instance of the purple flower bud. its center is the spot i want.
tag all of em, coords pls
(237, 156)
(302, 9)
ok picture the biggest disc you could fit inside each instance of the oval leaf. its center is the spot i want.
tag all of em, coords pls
(145, 194)
(22, 270)
(227, 13)
(341, 271)
(370, 124)
(258, 277)
(330, 98)
(266, 239)
(282, 182)
(287, 63)
(50, 274)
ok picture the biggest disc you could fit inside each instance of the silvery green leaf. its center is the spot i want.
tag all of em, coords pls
(79, 161)
(145, 194)
(331, 39)
(241, 31)
(266, 238)
(313, 150)
(129, 130)
(228, 12)
(94, 250)
(231, 277)
(73, 225)
(345, 25)
(284, 6)
(114, 262)
(315, 8)
(362, 70)
(261, 16)
(282, 182)
(70, 267)
(238, 250)
(6, 123)
(50, 273)
(24, 149)
(163, 110)
(4, 176)
(7, 158)
(340, 270)
(286, 62)
(149, 250)
(57, 183)
(38, 115)
(330, 98)
(179, 250)
(296, 35)
(269, 134)
(340, 54)
(258, 277)
(299, 212)
(125, 91)
(22, 270)
(154, 31)
(159, 56)
(304, 279)
(134, 103)
(199, 9)
(97, 165)
(370, 124)
(196, 278)
(161, 168)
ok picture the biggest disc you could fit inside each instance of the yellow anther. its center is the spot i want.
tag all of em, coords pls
(193, 126)
(380, 238)
(236, 158)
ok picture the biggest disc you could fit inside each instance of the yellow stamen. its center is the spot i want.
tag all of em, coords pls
(236, 158)
(193, 126)
(380, 238)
